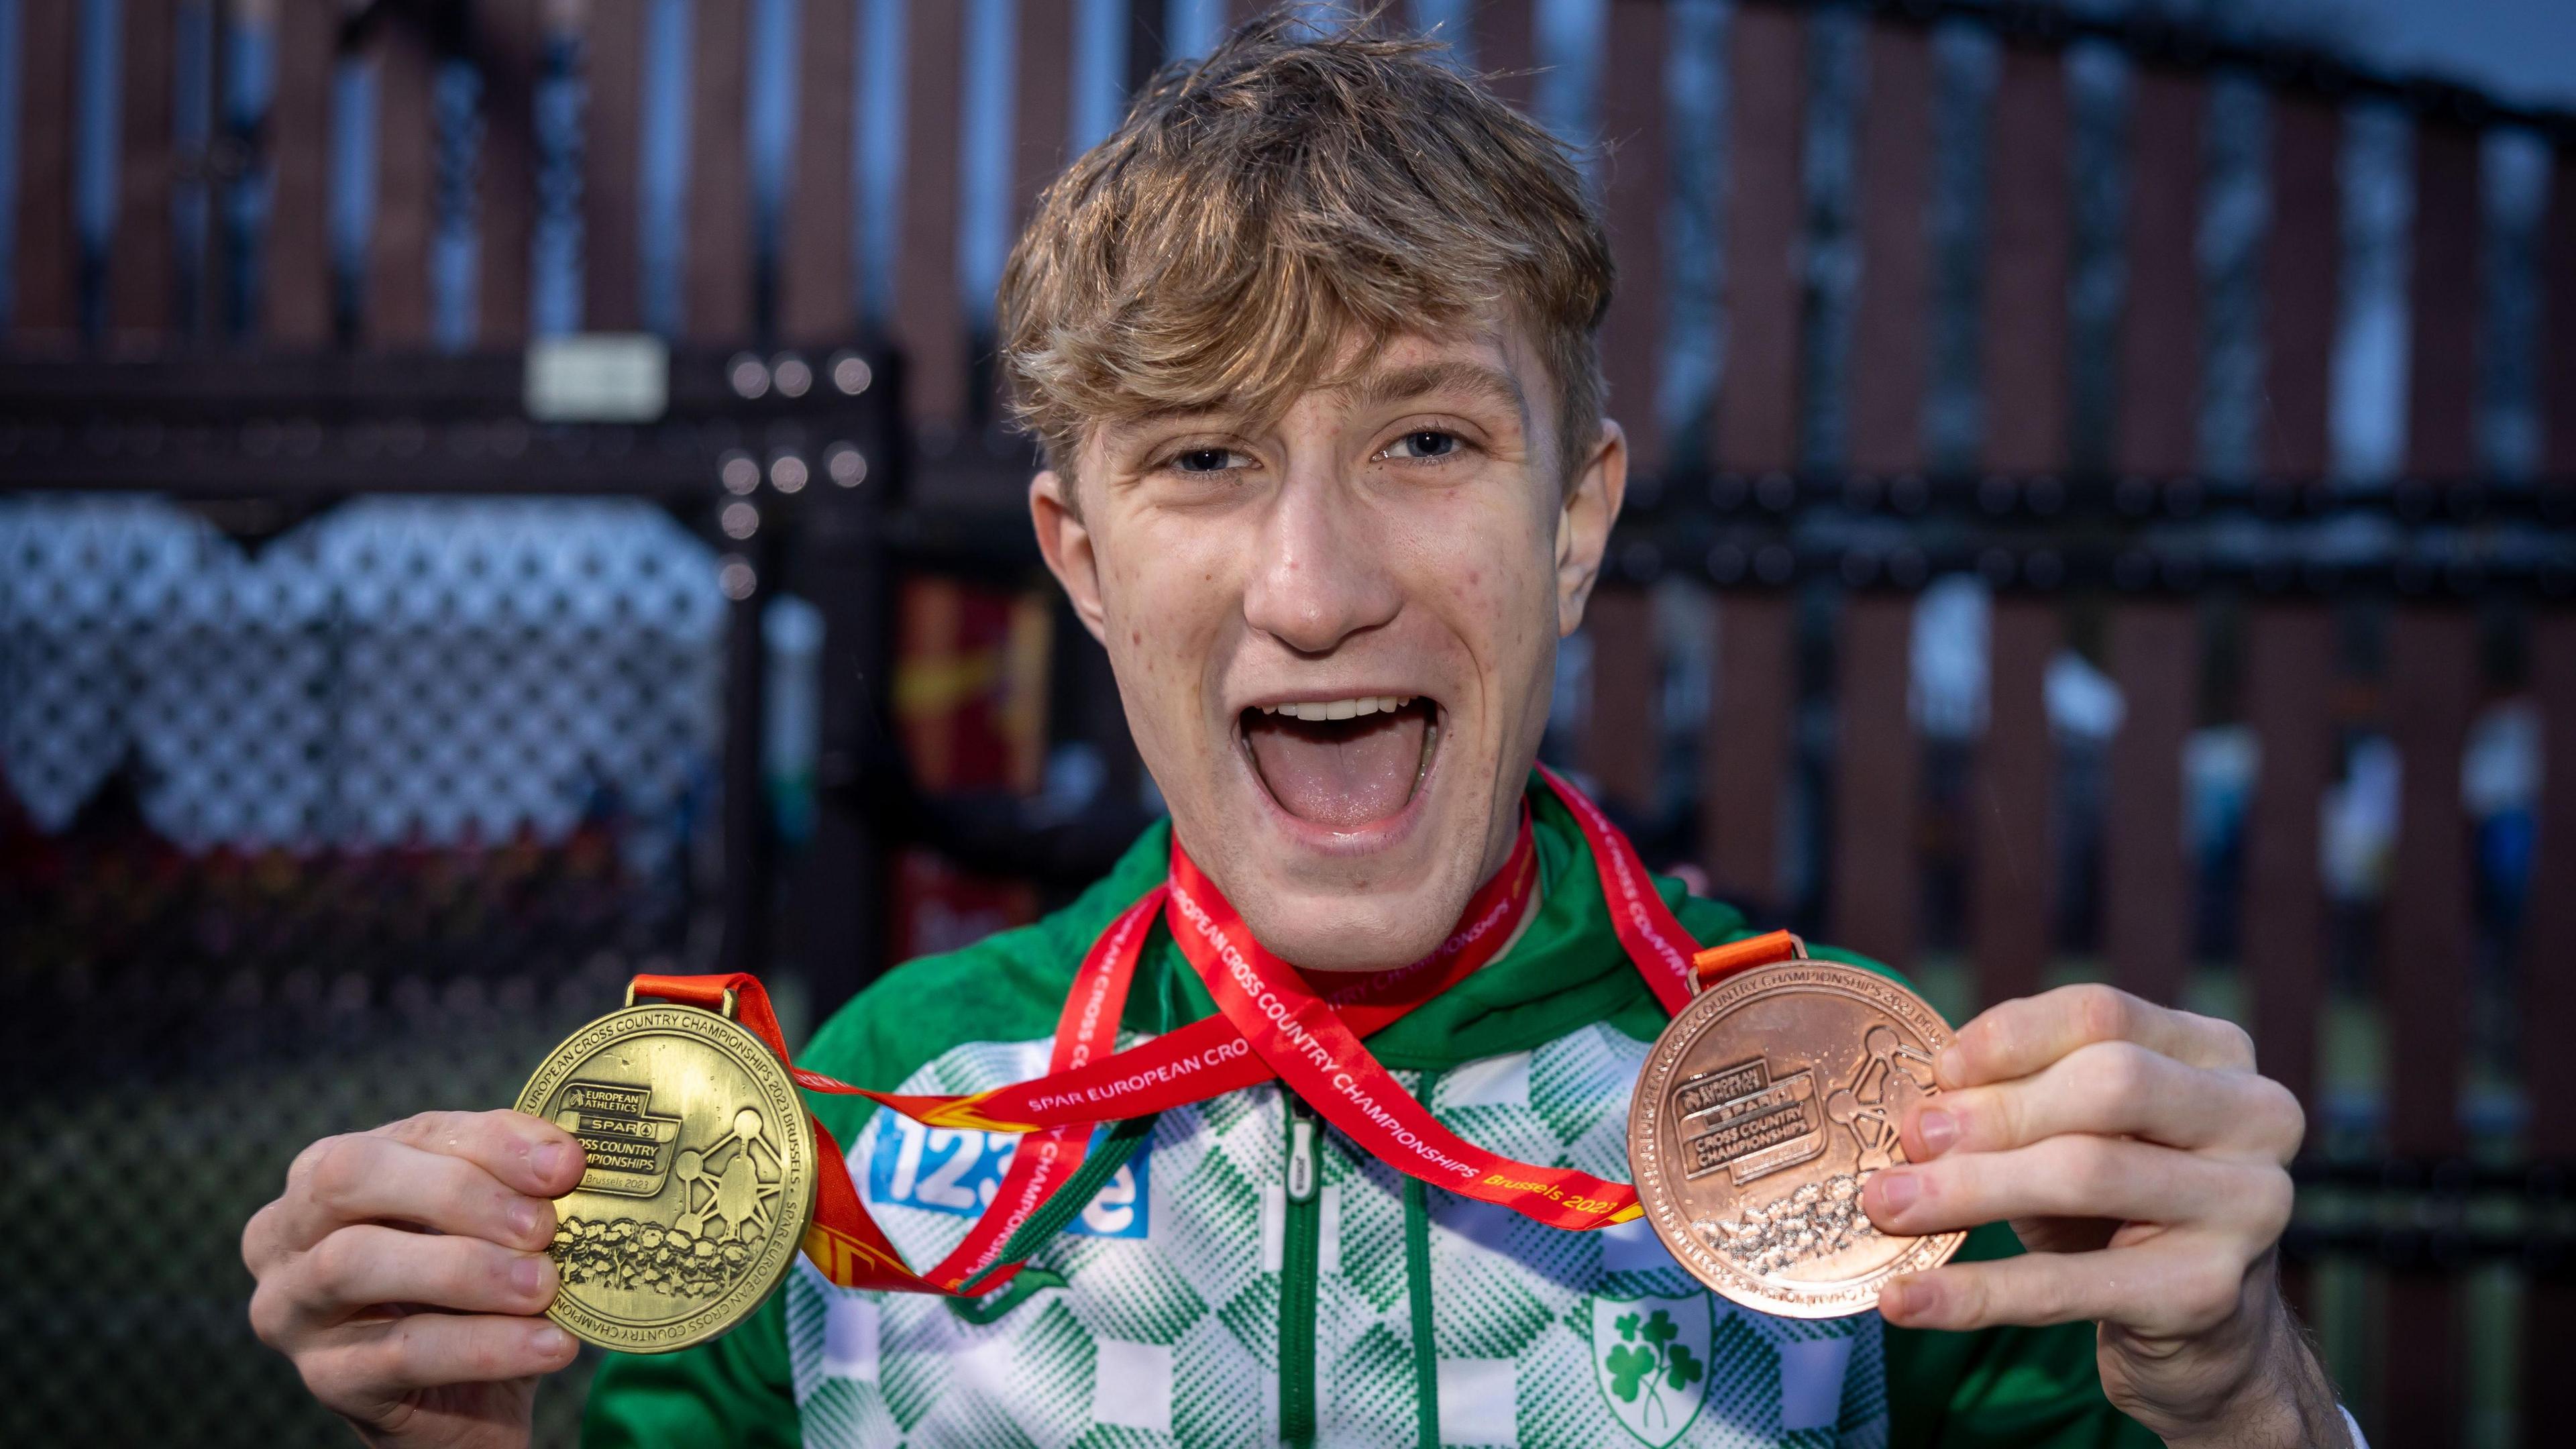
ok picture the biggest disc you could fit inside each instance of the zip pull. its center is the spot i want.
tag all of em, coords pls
(1301, 1148)
(1300, 1249)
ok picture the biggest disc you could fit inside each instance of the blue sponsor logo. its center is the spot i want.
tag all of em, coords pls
(955, 1171)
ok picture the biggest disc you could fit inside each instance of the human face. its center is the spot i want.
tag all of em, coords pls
(1402, 535)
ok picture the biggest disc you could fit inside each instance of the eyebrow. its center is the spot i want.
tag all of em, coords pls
(1401, 384)
(1379, 388)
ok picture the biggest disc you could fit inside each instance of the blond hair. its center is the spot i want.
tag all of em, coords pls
(1258, 209)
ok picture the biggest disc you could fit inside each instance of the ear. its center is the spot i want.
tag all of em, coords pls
(1583, 525)
(1065, 540)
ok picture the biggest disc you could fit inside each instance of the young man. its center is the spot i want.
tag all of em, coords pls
(1309, 344)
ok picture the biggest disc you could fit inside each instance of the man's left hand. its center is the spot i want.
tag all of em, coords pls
(2141, 1160)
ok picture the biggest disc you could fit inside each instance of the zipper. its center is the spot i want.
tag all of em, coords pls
(1299, 1257)
(1417, 1293)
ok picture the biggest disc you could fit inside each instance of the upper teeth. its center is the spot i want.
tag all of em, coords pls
(1341, 708)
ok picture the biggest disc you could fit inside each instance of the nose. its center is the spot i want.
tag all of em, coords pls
(1321, 577)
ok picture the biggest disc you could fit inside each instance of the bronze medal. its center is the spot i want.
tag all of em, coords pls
(1763, 1108)
(699, 1175)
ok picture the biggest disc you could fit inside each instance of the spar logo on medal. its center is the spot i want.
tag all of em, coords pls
(1650, 1358)
(1745, 1124)
(626, 1147)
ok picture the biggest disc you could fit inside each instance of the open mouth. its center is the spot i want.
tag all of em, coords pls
(1343, 763)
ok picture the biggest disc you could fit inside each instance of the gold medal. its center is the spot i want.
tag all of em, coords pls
(1763, 1108)
(699, 1175)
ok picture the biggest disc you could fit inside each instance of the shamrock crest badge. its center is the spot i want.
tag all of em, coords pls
(1650, 1356)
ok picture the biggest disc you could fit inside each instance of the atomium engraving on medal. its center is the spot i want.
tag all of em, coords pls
(697, 1182)
(1763, 1108)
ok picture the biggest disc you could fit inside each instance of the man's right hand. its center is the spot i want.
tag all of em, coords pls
(404, 1269)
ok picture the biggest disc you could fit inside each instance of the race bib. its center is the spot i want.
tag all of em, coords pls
(958, 1171)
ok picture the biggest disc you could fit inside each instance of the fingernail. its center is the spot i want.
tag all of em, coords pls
(528, 1218)
(1939, 1130)
(1951, 1067)
(549, 1341)
(1906, 1298)
(528, 1274)
(1898, 1190)
(550, 1159)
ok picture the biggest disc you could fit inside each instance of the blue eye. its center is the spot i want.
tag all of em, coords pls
(1204, 460)
(1425, 444)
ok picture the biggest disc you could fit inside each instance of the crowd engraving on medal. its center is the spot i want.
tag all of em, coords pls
(1814, 1222)
(647, 1257)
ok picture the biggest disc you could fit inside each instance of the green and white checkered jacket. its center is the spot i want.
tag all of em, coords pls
(1192, 1301)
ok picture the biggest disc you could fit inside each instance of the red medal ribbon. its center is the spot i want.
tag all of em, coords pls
(1316, 1053)
(1652, 934)
(1272, 1021)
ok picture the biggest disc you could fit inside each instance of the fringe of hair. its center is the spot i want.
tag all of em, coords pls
(1260, 208)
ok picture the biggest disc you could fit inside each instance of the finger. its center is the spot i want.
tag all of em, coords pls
(2174, 1287)
(2078, 1176)
(2111, 1089)
(530, 1154)
(367, 1178)
(364, 1266)
(2016, 1038)
(263, 1241)
(367, 1375)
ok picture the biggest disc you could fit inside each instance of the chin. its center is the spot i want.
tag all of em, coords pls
(1374, 929)
(1349, 840)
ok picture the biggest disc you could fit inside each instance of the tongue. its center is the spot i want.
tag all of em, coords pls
(1339, 773)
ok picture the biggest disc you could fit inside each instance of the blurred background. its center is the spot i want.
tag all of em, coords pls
(499, 495)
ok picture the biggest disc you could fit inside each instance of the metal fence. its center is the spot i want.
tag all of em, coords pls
(2106, 507)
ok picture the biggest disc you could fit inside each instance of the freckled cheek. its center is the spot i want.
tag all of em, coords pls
(1494, 592)
(1171, 618)
(1496, 622)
